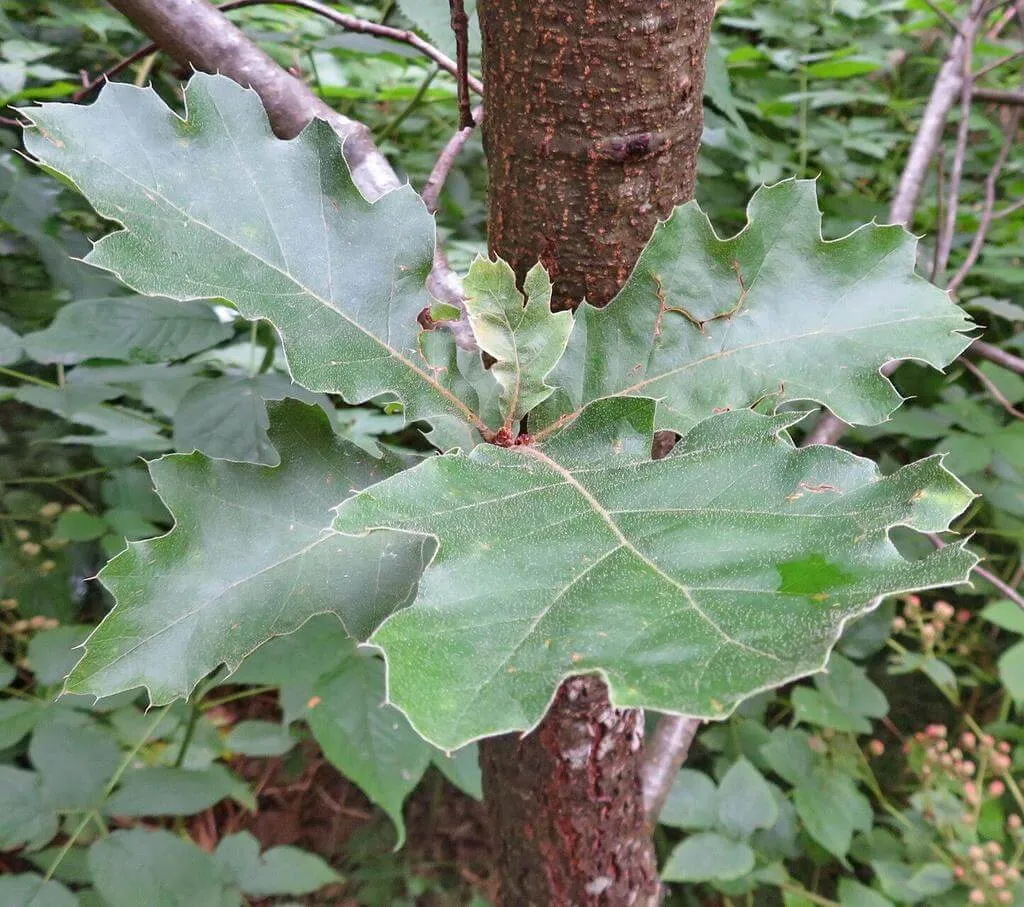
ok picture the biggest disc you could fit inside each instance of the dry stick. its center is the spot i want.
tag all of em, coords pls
(195, 33)
(1007, 590)
(435, 182)
(997, 355)
(990, 201)
(1010, 98)
(345, 21)
(995, 64)
(991, 387)
(460, 25)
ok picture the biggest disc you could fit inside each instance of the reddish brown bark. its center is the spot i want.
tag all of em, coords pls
(592, 130)
(593, 123)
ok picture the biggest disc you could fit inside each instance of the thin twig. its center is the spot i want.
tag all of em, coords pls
(460, 25)
(995, 64)
(1011, 98)
(435, 182)
(345, 21)
(997, 355)
(1007, 590)
(991, 387)
(1009, 209)
(943, 15)
(991, 181)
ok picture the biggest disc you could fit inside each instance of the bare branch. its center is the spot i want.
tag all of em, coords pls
(989, 204)
(995, 64)
(1010, 98)
(664, 755)
(999, 356)
(1007, 590)
(943, 15)
(435, 182)
(990, 386)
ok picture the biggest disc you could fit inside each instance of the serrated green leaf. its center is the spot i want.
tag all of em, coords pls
(525, 338)
(74, 762)
(706, 857)
(911, 884)
(745, 801)
(832, 809)
(689, 582)
(251, 556)
(692, 802)
(79, 526)
(259, 738)
(29, 890)
(775, 313)
(369, 741)
(24, 815)
(277, 228)
(163, 791)
(136, 867)
(853, 894)
(10, 346)
(134, 328)
(278, 871)
(789, 754)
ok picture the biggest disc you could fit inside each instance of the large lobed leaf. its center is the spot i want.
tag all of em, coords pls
(215, 206)
(706, 324)
(689, 582)
(251, 556)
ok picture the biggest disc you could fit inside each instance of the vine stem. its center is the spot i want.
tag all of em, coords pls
(107, 791)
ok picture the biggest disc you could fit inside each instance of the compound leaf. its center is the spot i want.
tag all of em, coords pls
(689, 582)
(215, 206)
(251, 556)
(526, 340)
(776, 313)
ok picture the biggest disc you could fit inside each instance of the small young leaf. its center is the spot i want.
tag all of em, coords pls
(250, 557)
(707, 857)
(832, 809)
(526, 340)
(277, 871)
(30, 890)
(692, 802)
(745, 801)
(687, 590)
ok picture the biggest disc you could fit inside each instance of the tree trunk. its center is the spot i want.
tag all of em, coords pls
(592, 131)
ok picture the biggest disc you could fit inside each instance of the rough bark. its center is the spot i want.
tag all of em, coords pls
(593, 118)
(592, 130)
